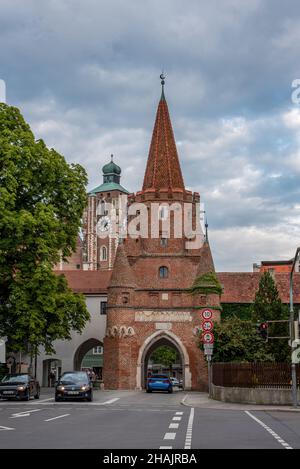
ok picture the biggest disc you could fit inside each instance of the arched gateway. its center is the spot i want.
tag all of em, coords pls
(151, 343)
(149, 299)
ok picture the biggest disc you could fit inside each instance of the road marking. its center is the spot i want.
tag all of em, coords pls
(179, 413)
(174, 425)
(42, 400)
(6, 428)
(188, 437)
(177, 418)
(24, 414)
(109, 402)
(269, 430)
(58, 417)
(165, 447)
(169, 436)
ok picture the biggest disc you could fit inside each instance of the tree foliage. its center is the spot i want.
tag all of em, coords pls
(236, 340)
(267, 306)
(165, 355)
(42, 199)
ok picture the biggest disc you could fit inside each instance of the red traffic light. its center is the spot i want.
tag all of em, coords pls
(264, 325)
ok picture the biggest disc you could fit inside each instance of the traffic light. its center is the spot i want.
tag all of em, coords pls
(262, 330)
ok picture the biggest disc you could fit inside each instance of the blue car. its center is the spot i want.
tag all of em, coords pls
(159, 383)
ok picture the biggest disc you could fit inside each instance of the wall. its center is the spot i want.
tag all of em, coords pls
(253, 395)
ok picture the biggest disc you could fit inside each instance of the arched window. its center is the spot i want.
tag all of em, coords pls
(163, 272)
(103, 253)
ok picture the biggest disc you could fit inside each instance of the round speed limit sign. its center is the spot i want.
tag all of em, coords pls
(207, 314)
(207, 326)
(208, 338)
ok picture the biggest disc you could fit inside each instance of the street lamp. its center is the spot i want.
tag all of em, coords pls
(293, 343)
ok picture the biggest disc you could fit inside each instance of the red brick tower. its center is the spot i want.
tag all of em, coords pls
(148, 299)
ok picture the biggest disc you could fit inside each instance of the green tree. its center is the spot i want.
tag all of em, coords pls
(267, 306)
(165, 355)
(236, 340)
(42, 199)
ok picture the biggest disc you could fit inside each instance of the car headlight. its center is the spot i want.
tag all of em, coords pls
(21, 388)
(85, 388)
(60, 388)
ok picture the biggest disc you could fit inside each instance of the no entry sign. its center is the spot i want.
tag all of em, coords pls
(206, 314)
(208, 338)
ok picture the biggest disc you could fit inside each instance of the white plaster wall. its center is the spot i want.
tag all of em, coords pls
(65, 350)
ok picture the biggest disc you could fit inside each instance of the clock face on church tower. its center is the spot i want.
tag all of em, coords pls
(104, 224)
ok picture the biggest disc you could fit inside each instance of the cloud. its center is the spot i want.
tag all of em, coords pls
(85, 75)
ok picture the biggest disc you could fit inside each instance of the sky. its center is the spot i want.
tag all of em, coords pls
(85, 75)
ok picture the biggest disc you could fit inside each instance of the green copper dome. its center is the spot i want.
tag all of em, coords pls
(111, 168)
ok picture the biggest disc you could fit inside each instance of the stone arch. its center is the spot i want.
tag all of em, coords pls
(82, 350)
(166, 337)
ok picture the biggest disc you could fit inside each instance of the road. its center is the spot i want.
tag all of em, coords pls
(133, 419)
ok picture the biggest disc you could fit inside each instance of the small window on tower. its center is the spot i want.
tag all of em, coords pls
(103, 253)
(163, 272)
(164, 242)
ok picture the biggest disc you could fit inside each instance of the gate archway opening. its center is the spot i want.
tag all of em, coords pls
(171, 341)
(51, 371)
(89, 356)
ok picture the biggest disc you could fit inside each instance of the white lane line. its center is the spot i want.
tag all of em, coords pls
(174, 425)
(178, 413)
(269, 430)
(24, 414)
(42, 400)
(169, 436)
(109, 402)
(165, 447)
(189, 432)
(177, 419)
(6, 428)
(58, 417)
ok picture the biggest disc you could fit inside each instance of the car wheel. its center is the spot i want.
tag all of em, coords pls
(27, 397)
(37, 395)
(57, 399)
(149, 390)
(90, 398)
(170, 391)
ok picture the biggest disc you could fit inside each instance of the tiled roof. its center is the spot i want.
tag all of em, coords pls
(87, 281)
(163, 169)
(240, 287)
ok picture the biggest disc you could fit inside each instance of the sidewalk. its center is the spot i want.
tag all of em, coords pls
(202, 401)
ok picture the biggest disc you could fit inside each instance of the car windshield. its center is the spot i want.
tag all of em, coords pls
(74, 378)
(15, 379)
(158, 377)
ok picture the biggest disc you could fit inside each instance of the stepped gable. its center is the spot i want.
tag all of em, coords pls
(122, 274)
(163, 168)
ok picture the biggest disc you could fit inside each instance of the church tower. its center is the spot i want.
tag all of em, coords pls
(99, 247)
(150, 300)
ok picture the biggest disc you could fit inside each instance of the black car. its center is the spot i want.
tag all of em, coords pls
(74, 385)
(21, 386)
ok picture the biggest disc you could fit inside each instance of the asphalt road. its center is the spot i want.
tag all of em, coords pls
(132, 420)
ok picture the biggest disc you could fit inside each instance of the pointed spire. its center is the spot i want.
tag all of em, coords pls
(206, 230)
(122, 275)
(206, 263)
(163, 168)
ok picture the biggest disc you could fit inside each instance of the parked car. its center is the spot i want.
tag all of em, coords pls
(174, 381)
(159, 383)
(21, 386)
(74, 385)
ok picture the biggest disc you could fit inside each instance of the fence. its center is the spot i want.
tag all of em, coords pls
(253, 375)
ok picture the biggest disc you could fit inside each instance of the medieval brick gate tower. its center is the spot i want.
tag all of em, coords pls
(149, 302)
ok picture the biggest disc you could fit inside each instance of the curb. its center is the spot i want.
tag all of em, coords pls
(251, 407)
